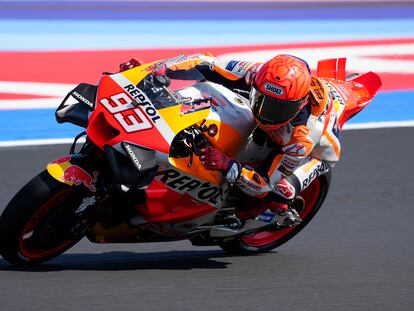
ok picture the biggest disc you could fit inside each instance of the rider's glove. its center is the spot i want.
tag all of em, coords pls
(132, 63)
(213, 159)
(161, 70)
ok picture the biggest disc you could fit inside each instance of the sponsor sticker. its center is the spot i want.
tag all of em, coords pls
(266, 217)
(285, 189)
(297, 149)
(336, 94)
(248, 186)
(82, 99)
(230, 66)
(77, 175)
(233, 173)
(320, 169)
(193, 106)
(239, 67)
(291, 164)
(86, 202)
(271, 88)
(183, 183)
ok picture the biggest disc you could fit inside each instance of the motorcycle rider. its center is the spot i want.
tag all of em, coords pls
(294, 117)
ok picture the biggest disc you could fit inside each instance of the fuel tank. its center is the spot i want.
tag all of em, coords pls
(229, 111)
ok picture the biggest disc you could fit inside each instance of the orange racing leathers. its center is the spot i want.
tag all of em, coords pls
(302, 149)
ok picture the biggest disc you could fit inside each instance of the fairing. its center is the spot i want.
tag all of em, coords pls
(349, 96)
(138, 123)
(181, 196)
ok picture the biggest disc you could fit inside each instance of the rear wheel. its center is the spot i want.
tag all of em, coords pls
(265, 241)
(40, 221)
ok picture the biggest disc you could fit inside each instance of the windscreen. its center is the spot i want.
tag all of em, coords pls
(156, 88)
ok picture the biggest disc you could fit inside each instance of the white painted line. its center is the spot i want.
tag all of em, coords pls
(59, 141)
(38, 142)
(359, 58)
(56, 92)
(316, 1)
(377, 125)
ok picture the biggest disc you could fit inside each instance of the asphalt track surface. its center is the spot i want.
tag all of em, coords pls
(357, 254)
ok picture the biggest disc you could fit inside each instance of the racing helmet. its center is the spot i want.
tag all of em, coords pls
(279, 91)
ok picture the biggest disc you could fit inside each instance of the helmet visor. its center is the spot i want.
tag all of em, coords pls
(272, 111)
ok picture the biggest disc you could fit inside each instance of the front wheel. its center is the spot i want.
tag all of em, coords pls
(40, 221)
(265, 241)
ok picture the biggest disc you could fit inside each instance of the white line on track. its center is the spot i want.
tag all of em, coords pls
(38, 142)
(377, 125)
(57, 91)
(359, 58)
(57, 141)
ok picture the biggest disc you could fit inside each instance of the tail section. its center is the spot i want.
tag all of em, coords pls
(371, 81)
(332, 68)
(366, 85)
(363, 87)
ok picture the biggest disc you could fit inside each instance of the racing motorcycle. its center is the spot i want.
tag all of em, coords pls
(137, 177)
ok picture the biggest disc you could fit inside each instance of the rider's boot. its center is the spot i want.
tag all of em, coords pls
(250, 208)
(288, 213)
(253, 214)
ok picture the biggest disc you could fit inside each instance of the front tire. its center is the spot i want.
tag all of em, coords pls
(34, 227)
(266, 241)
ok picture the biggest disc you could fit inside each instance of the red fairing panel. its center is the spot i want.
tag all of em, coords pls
(165, 205)
(116, 119)
(366, 86)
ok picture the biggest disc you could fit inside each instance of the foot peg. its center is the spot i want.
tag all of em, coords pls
(289, 218)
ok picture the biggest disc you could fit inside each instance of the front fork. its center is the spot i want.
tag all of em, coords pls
(83, 172)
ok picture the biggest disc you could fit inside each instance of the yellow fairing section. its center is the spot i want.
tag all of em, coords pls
(227, 140)
(178, 122)
(135, 75)
(57, 171)
(196, 169)
(336, 105)
(189, 64)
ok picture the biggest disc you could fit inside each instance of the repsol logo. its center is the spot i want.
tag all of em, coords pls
(142, 100)
(273, 89)
(203, 191)
(318, 170)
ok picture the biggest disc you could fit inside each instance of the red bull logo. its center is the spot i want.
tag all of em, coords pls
(77, 175)
(70, 174)
(194, 106)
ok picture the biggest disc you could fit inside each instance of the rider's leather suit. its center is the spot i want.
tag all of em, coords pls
(302, 150)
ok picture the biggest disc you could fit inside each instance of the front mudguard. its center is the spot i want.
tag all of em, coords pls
(76, 170)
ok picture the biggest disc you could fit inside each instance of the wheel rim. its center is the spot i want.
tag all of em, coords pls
(26, 246)
(261, 239)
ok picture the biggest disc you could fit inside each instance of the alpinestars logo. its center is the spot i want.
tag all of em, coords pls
(295, 149)
(285, 189)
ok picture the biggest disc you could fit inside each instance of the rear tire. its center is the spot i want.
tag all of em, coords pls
(32, 225)
(266, 241)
